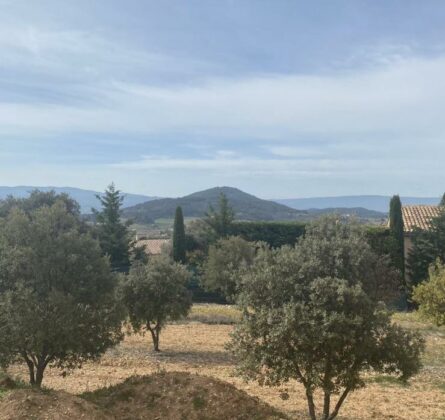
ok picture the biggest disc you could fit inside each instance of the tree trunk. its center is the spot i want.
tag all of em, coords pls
(30, 364)
(326, 405)
(155, 332)
(39, 374)
(311, 405)
(32, 378)
(339, 404)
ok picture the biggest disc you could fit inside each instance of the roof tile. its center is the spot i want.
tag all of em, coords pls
(418, 216)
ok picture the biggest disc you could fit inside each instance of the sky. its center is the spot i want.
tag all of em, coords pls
(282, 99)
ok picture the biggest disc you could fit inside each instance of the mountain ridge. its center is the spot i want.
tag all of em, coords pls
(245, 206)
(379, 203)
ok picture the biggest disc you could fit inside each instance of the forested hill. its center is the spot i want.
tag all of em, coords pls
(245, 206)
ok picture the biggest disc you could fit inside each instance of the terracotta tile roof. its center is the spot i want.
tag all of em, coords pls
(418, 216)
(153, 246)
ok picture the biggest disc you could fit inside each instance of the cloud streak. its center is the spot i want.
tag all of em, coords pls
(402, 98)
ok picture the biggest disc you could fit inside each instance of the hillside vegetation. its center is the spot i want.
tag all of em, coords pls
(245, 206)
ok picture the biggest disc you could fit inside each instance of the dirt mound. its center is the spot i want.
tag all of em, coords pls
(172, 396)
(179, 396)
(26, 404)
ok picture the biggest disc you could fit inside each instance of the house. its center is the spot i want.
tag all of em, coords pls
(416, 217)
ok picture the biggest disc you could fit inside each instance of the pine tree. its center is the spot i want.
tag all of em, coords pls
(442, 201)
(114, 235)
(179, 237)
(396, 228)
(220, 221)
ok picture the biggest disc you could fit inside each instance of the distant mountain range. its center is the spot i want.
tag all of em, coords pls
(143, 209)
(245, 206)
(378, 203)
(86, 198)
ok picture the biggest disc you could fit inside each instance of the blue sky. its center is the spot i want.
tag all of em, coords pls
(279, 98)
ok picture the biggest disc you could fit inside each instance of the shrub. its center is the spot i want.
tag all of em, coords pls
(430, 295)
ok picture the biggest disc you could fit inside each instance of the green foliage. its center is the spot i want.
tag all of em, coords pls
(245, 206)
(179, 240)
(442, 201)
(220, 220)
(114, 235)
(396, 228)
(308, 315)
(38, 199)
(275, 234)
(226, 260)
(57, 304)
(428, 246)
(154, 294)
(430, 295)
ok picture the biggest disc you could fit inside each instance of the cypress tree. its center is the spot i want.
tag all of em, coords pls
(396, 228)
(179, 236)
(442, 201)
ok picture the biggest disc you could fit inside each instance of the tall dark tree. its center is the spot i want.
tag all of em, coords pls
(396, 228)
(114, 235)
(220, 220)
(442, 201)
(179, 244)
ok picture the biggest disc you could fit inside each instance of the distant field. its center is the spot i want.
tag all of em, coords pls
(161, 226)
(197, 345)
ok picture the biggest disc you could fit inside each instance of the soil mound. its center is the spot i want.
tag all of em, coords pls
(179, 396)
(26, 404)
(162, 396)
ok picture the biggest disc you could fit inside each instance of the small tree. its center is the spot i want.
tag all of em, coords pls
(220, 220)
(442, 201)
(226, 260)
(57, 304)
(179, 240)
(430, 295)
(307, 317)
(114, 235)
(396, 227)
(154, 294)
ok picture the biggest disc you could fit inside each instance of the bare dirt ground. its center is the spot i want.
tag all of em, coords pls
(197, 347)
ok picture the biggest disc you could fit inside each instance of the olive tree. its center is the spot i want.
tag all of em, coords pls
(57, 293)
(308, 316)
(430, 295)
(227, 258)
(154, 294)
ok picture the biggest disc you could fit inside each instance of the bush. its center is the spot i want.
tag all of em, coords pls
(226, 260)
(275, 234)
(430, 295)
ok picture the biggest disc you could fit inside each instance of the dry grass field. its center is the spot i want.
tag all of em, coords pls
(197, 346)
